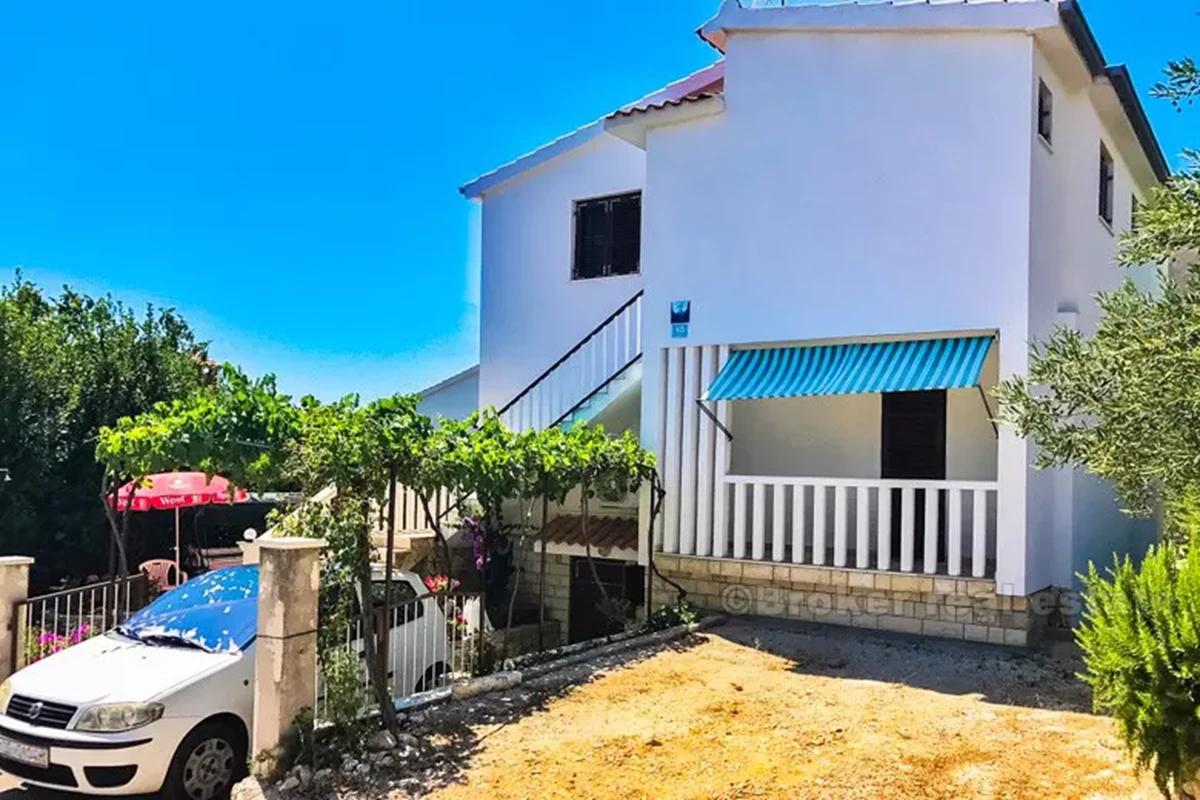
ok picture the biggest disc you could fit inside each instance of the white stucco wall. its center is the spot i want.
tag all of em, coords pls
(819, 437)
(802, 212)
(856, 184)
(531, 312)
(1075, 516)
(455, 398)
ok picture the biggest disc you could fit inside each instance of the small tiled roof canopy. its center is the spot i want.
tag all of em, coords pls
(691, 98)
(605, 533)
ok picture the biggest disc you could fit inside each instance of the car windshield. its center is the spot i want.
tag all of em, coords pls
(217, 612)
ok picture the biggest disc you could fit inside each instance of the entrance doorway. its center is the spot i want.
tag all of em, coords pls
(621, 580)
(914, 448)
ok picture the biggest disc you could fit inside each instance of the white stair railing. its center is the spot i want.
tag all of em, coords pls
(603, 354)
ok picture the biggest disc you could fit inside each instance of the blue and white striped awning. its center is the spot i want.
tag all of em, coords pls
(908, 366)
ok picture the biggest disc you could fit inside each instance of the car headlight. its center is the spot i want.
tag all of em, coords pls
(118, 717)
(6, 691)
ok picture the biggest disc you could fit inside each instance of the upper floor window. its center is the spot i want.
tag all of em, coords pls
(1107, 180)
(1135, 206)
(608, 236)
(1045, 112)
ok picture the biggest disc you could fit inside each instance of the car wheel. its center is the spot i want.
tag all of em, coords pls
(206, 765)
(432, 678)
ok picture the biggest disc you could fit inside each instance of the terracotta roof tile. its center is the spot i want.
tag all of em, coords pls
(606, 533)
(691, 98)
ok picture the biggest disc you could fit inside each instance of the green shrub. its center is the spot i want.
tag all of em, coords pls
(681, 612)
(1141, 642)
(343, 688)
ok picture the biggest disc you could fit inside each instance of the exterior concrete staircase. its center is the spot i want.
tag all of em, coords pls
(626, 381)
(598, 370)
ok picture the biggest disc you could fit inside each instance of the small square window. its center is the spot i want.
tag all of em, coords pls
(1107, 181)
(1045, 112)
(608, 236)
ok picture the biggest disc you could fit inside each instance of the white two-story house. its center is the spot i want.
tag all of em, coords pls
(797, 274)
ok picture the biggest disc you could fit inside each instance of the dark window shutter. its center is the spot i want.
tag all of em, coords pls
(1045, 112)
(626, 234)
(591, 239)
(608, 236)
(1107, 179)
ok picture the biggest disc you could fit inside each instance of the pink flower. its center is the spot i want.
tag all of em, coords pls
(440, 583)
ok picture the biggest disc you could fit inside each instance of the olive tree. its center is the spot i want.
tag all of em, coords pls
(1124, 403)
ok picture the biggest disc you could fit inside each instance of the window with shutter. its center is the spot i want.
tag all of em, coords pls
(1107, 179)
(608, 236)
(1045, 112)
(626, 234)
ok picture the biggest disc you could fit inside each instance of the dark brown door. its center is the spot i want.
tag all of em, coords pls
(622, 581)
(914, 448)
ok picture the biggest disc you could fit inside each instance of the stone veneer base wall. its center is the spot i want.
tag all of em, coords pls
(558, 589)
(953, 608)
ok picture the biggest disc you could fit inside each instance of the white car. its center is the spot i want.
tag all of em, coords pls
(164, 703)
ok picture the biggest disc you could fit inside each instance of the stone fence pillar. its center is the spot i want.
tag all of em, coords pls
(285, 661)
(14, 587)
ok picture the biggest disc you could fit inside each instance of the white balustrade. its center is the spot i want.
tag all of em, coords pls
(908, 526)
(584, 370)
(410, 511)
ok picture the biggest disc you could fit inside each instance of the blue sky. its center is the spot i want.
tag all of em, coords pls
(286, 173)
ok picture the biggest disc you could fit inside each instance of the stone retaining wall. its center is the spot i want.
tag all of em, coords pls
(558, 590)
(954, 608)
(523, 639)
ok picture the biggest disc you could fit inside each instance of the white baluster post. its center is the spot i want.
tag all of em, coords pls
(674, 434)
(979, 532)
(758, 515)
(798, 523)
(704, 484)
(739, 520)
(688, 461)
(932, 506)
(954, 534)
(907, 521)
(883, 530)
(778, 523)
(862, 542)
(839, 526)
(819, 495)
(721, 468)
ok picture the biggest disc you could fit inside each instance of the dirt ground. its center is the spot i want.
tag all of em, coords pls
(750, 710)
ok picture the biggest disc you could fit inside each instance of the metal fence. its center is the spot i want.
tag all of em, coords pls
(52, 622)
(428, 642)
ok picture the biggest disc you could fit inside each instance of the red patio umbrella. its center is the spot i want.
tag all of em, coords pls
(175, 490)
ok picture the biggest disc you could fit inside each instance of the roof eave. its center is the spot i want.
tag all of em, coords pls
(446, 383)
(684, 86)
(1081, 34)
(633, 126)
(476, 188)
